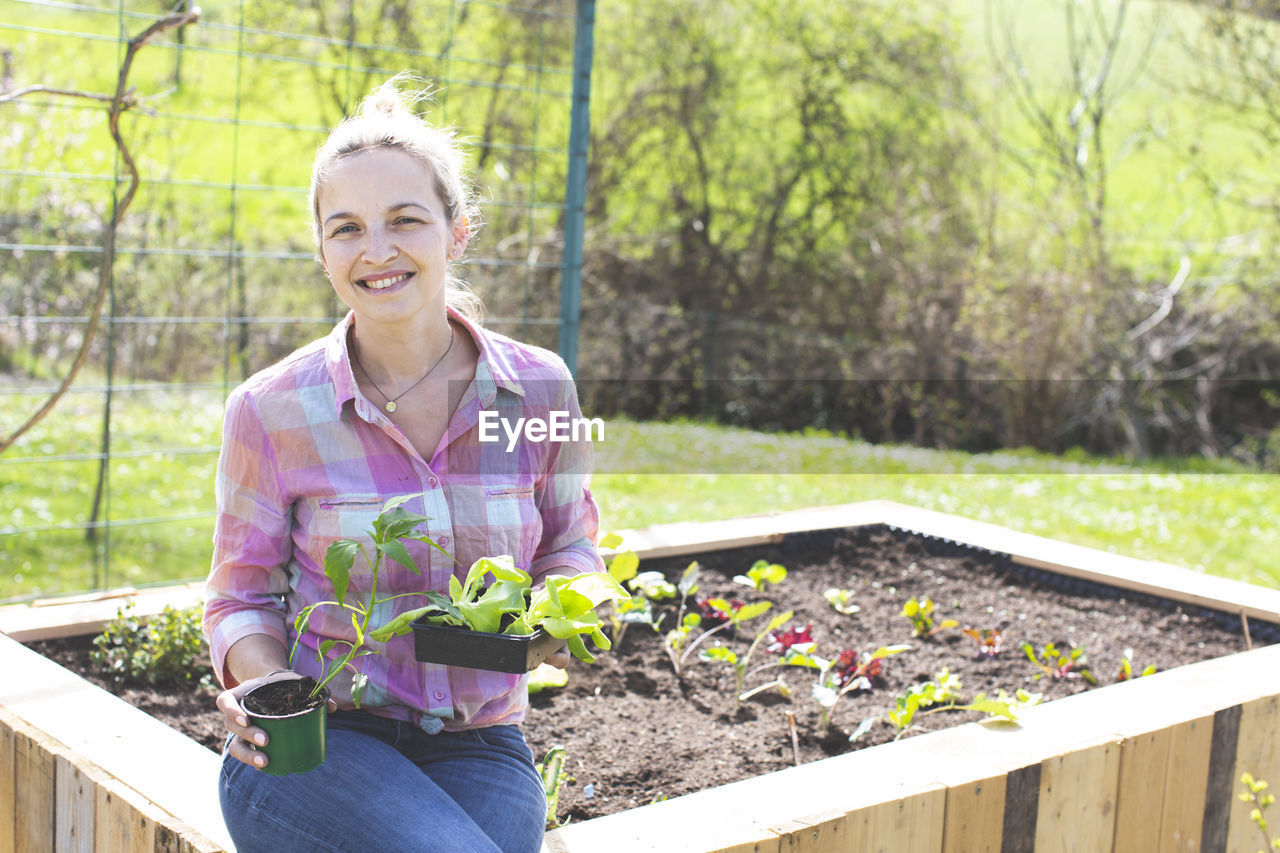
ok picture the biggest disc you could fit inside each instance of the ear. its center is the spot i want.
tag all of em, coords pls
(461, 236)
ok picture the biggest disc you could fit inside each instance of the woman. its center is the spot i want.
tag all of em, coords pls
(389, 404)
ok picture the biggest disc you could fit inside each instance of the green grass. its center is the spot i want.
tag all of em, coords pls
(1213, 517)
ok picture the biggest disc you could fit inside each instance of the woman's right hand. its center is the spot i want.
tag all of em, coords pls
(247, 737)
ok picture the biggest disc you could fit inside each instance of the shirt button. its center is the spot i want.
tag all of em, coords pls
(444, 540)
(439, 694)
(432, 482)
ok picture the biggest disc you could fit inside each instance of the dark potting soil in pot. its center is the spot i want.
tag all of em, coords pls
(282, 698)
(634, 733)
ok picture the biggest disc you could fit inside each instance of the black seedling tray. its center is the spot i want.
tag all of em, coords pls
(455, 646)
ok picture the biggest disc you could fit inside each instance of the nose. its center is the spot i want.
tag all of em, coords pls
(379, 247)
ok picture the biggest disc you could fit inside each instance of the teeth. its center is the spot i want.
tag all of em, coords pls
(383, 283)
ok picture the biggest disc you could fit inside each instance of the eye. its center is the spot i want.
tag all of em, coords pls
(349, 228)
(408, 220)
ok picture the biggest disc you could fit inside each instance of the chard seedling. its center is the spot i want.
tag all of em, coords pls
(740, 664)
(841, 600)
(732, 616)
(761, 574)
(1002, 707)
(920, 612)
(1055, 664)
(393, 525)
(990, 640)
(801, 639)
(848, 672)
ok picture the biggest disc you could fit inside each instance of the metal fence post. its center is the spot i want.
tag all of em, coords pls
(575, 195)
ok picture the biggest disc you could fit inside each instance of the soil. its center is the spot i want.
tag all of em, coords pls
(283, 698)
(633, 733)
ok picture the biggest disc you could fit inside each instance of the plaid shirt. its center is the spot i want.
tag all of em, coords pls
(307, 459)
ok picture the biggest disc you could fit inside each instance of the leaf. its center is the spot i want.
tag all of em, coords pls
(624, 566)
(338, 560)
(547, 677)
(778, 621)
(402, 523)
(863, 728)
(455, 589)
(689, 579)
(395, 550)
(610, 541)
(720, 653)
(747, 612)
(359, 681)
(597, 587)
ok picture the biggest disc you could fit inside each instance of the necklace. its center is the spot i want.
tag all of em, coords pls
(391, 401)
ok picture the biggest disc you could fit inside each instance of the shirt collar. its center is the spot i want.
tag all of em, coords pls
(494, 367)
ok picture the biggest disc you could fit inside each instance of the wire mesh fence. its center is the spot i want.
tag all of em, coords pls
(212, 269)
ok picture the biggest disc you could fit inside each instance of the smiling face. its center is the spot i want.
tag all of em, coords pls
(385, 238)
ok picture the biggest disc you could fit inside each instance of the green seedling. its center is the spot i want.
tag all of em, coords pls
(1256, 793)
(848, 672)
(677, 638)
(1000, 707)
(553, 777)
(740, 664)
(920, 612)
(841, 600)
(1055, 664)
(761, 574)
(1126, 668)
(393, 525)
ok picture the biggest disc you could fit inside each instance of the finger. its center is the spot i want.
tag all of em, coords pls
(237, 721)
(244, 752)
(560, 658)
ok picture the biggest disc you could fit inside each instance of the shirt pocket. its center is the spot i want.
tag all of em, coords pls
(512, 523)
(323, 521)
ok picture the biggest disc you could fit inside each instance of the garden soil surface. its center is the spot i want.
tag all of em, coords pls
(633, 733)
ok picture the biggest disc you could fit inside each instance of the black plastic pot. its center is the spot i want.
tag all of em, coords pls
(455, 646)
(295, 739)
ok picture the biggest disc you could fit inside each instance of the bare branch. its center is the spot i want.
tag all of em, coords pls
(118, 104)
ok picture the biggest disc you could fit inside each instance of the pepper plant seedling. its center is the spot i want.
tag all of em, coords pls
(920, 612)
(1055, 664)
(391, 527)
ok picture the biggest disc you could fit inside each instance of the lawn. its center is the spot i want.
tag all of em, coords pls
(1211, 517)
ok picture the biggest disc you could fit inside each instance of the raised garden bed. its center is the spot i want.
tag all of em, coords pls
(931, 792)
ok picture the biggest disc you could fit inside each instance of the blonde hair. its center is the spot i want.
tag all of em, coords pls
(384, 120)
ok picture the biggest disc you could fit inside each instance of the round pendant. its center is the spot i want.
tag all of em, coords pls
(391, 406)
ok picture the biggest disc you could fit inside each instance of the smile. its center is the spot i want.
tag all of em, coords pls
(383, 283)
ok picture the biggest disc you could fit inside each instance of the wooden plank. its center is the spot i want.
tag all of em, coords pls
(912, 824)
(119, 827)
(8, 789)
(821, 833)
(1258, 753)
(975, 816)
(72, 617)
(1021, 810)
(34, 777)
(1186, 777)
(1144, 759)
(1220, 797)
(1078, 800)
(73, 813)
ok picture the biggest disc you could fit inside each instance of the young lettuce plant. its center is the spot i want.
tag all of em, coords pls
(393, 525)
(841, 600)
(564, 607)
(676, 639)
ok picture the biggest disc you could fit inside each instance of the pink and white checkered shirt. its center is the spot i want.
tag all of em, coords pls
(307, 459)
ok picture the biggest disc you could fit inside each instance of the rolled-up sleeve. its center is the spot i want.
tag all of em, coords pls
(570, 518)
(251, 540)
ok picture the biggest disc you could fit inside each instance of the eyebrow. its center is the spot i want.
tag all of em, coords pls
(342, 214)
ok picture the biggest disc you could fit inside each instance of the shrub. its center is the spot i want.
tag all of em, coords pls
(168, 649)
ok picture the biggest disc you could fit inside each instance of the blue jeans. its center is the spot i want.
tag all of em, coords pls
(387, 785)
